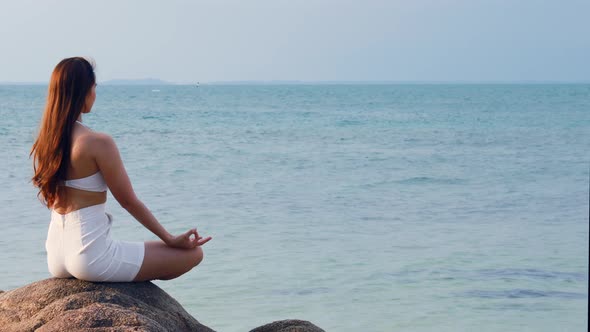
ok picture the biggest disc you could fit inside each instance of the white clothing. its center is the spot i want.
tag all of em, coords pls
(79, 245)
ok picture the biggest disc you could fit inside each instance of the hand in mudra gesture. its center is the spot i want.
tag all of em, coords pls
(188, 240)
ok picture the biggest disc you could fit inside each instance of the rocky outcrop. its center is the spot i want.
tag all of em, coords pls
(75, 305)
(70, 304)
(290, 325)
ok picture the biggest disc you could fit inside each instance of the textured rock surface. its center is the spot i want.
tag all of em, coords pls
(75, 305)
(290, 325)
(70, 304)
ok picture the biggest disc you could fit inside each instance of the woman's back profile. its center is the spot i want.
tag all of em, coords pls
(73, 168)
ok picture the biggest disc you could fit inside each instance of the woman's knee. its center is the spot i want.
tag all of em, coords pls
(197, 256)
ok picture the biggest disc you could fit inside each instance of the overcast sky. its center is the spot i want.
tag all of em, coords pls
(312, 40)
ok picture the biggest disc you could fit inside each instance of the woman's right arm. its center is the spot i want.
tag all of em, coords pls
(109, 162)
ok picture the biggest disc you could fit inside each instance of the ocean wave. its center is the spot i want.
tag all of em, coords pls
(531, 274)
(430, 180)
(523, 293)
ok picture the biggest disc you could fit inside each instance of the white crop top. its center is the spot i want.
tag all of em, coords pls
(94, 182)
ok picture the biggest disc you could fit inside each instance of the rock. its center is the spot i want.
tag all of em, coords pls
(70, 304)
(74, 305)
(289, 325)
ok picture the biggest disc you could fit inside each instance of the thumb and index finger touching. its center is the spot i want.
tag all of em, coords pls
(197, 240)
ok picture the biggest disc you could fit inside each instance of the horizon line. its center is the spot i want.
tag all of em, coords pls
(123, 82)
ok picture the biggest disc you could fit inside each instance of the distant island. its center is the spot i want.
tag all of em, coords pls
(144, 81)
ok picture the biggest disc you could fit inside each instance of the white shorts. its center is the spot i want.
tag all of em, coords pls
(79, 245)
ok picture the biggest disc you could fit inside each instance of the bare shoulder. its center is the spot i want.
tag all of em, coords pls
(95, 143)
(102, 140)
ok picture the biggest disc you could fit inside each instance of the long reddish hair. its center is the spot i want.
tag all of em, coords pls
(70, 84)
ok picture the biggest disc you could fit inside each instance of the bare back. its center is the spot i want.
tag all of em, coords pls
(82, 164)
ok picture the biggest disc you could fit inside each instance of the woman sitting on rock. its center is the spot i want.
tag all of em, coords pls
(74, 166)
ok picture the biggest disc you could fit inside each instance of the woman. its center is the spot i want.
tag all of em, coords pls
(73, 168)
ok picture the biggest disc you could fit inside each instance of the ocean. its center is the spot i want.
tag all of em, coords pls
(376, 207)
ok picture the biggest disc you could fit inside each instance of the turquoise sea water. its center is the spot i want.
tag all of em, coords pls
(357, 207)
